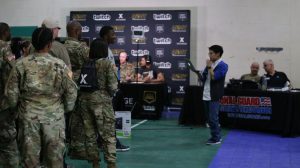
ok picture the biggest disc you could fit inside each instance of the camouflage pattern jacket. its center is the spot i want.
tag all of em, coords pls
(42, 88)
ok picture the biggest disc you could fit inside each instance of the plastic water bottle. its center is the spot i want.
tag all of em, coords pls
(264, 83)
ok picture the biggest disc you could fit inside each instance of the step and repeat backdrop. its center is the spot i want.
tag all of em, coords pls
(162, 34)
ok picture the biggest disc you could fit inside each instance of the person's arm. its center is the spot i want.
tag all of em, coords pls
(112, 82)
(70, 90)
(12, 88)
(160, 78)
(220, 71)
(209, 69)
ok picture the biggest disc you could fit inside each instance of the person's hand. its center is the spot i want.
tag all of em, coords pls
(208, 63)
(147, 79)
(11, 57)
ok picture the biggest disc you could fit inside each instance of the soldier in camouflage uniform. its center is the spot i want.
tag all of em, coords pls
(41, 87)
(126, 71)
(96, 108)
(79, 54)
(8, 144)
(78, 51)
(57, 50)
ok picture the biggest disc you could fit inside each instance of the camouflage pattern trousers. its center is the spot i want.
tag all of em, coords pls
(97, 123)
(9, 156)
(41, 144)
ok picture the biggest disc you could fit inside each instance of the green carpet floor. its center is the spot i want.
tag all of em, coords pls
(163, 144)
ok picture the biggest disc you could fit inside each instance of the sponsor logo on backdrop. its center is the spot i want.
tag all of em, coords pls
(121, 17)
(85, 29)
(179, 77)
(259, 108)
(116, 52)
(163, 65)
(121, 40)
(101, 17)
(139, 16)
(159, 52)
(182, 16)
(98, 28)
(179, 52)
(119, 28)
(181, 41)
(182, 65)
(79, 17)
(160, 28)
(149, 96)
(180, 90)
(179, 28)
(140, 53)
(140, 40)
(162, 40)
(140, 28)
(162, 16)
(177, 101)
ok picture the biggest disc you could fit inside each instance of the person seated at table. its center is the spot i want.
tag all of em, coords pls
(147, 73)
(275, 79)
(253, 76)
(125, 69)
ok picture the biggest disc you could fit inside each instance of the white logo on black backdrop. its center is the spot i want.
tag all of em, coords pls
(102, 17)
(140, 28)
(140, 53)
(98, 28)
(162, 16)
(182, 65)
(162, 40)
(181, 90)
(159, 28)
(85, 29)
(182, 16)
(163, 65)
(181, 41)
(121, 40)
(159, 52)
(121, 17)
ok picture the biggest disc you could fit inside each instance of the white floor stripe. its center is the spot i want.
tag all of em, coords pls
(135, 125)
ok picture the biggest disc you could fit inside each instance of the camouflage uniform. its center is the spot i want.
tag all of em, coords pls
(78, 52)
(97, 114)
(42, 87)
(58, 50)
(8, 144)
(126, 69)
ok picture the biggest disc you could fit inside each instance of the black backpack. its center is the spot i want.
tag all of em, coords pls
(87, 81)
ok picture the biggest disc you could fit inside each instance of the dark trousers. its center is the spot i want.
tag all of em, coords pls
(212, 113)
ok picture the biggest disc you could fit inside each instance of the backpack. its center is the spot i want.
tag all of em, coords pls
(87, 81)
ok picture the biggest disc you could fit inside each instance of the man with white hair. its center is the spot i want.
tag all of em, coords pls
(253, 76)
(58, 50)
(275, 78)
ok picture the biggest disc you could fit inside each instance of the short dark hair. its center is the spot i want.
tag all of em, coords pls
(3, 28)
(105, 30)
(41, 37)
(15, 46)
(216, 49)
(98, 49)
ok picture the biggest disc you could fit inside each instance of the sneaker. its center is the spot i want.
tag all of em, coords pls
(213, 142)
(122, 148)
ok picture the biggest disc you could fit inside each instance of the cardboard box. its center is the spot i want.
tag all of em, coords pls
(123, 124)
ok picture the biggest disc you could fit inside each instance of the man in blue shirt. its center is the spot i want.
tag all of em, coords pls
(213, 78)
